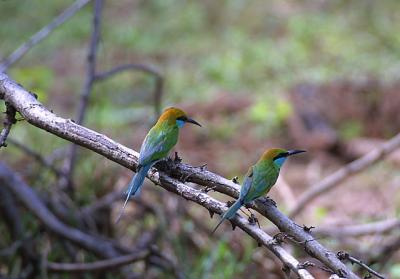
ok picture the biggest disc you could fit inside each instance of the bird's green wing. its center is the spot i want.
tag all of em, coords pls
(264, 177)
(248, 180)
(157, 144)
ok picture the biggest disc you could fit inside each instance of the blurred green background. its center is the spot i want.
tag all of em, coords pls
(237, 67)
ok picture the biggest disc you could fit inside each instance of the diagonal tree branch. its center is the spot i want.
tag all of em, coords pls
(39, 158)
(42, 34)
(340, 175)
(36, 114)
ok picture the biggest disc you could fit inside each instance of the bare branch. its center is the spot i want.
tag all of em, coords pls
(340, 175)
(35, 155)
(158, 80)
(42, 34)
(98, 265)
(9, 120)
(345, 256)
(29, 198)
(38, 115)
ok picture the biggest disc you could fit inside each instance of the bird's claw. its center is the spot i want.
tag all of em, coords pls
(177, 159)
(271, 201)
(230, 203)
(253, 220)
(208, 189)
(235, 180)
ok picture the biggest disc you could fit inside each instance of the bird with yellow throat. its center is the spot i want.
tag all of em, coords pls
(159, 141)
(259, 179)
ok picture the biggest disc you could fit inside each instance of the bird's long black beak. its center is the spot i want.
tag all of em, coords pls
(293, 152)
(193, 121)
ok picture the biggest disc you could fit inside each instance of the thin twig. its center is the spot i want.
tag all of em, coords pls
(86, 90)
(158, 80)
(345, 256)
(30, 199)
(9, 120)
(35, 155)
(42, 34)
(340, 175)
(41, 117)
(384, 253)
(98, 265)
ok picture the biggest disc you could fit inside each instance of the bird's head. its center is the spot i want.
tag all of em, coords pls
(177, 117)
(278, 155)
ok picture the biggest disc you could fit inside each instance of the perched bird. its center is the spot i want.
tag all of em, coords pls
(259, 179)
(161, 138)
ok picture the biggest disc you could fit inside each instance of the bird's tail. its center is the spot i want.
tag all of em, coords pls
(229, 213)
(134, 186)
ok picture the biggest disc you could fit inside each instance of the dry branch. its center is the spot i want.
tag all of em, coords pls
(42, 33)
(29, 198)
(36, 114)
(340, 175)
(345, 256)
(39, 158)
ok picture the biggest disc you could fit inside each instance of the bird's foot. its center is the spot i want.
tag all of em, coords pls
(208, 189)
(233, 226)
(177, 159)
(253, 220)
(271, 201)
(235, 180)
(229, 203)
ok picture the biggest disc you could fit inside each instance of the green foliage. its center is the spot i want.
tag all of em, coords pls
(350, 129)
(221, 262)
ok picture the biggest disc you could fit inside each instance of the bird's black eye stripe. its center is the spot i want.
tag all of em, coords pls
(182, 118)
(281, 155)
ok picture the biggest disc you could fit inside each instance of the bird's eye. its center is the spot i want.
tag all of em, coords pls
(281, 155)
(181, 118)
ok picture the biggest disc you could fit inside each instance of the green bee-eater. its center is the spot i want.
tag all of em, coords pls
(259, 179)
(161, 138)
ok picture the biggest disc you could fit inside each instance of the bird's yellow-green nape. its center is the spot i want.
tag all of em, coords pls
(177, 116)
(278, 155)
(271, 153)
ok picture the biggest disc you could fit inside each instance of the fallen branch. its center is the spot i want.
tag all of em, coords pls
(42, 34)
(340, 175)
(36, 114)
(98, 265)
(28, 197)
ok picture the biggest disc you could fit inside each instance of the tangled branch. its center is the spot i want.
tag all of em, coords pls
(36, 114)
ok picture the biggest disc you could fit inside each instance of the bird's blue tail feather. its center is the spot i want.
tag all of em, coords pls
(230, 213)
(135, 185)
